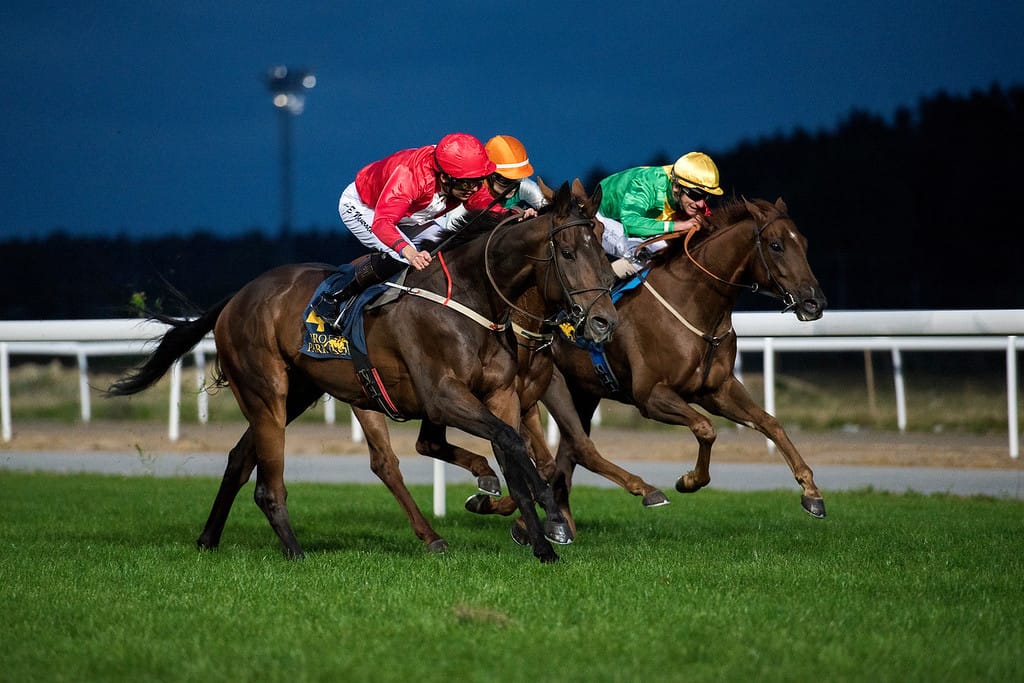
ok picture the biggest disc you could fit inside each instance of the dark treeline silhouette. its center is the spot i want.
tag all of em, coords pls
(912, 213)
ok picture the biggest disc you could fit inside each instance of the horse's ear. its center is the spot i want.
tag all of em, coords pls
(562, 200)
(548, 193)
(755, 211)
(577, 188)
(781, 206)
(595, 198)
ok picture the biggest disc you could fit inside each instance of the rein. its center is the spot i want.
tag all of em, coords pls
(715, 340)
(576, 313)
(782, 294)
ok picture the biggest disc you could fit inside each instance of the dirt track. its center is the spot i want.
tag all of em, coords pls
(733, 445)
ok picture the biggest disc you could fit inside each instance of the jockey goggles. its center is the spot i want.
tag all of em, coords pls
(693, 193)
(466, 184)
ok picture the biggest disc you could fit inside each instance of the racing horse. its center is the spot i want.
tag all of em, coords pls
(452, 364)
(533, 335)
(675, 346)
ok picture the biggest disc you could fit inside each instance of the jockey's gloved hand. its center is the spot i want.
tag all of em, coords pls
(625, 268)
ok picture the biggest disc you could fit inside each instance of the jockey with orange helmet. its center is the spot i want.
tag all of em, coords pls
(640, 203)
(509, 187)
(394, 202)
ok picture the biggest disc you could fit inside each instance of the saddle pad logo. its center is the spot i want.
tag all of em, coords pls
(319, 343)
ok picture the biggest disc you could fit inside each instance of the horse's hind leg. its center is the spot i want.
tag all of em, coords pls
(385, 465)
(271, 495)
(734, 402)
(241, 461)
(433, 442)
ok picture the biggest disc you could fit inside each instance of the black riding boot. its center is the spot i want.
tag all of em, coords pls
(371, 269)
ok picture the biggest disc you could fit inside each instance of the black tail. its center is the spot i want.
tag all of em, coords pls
(179, 340)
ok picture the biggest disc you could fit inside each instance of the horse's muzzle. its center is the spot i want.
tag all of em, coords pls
(811, 306)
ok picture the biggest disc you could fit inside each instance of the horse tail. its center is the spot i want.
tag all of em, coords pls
(176, 342)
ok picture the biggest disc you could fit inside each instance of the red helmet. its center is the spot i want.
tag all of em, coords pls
(461, 155)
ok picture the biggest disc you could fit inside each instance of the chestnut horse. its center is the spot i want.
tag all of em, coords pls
(675, 346)
(452, 364)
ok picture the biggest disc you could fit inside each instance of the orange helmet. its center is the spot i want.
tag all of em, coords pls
(509, 155)
(461, 155)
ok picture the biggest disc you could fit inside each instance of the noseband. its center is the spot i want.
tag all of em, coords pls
(576, 314)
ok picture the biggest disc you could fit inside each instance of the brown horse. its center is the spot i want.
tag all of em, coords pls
(533, 335)
(451, 364)
(675, 346)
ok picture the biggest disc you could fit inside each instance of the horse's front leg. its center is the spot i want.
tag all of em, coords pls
(454, 405)
(665, 405)
(734, 402)
(433, 442)
(384, 463)
(506, 405)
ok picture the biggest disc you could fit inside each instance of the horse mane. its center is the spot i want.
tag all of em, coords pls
(464, 229)
(730, 212)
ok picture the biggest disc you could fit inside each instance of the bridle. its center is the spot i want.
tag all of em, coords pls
(789, 301)
(576, 314)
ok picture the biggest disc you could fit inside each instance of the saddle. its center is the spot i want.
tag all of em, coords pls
(347, 339)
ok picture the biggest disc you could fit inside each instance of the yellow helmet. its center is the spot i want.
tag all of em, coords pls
(696, 169)
(509, 155)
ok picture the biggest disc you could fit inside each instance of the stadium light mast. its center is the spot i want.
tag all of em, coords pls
(288, 86)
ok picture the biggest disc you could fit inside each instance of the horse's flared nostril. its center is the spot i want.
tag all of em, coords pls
(600, 329)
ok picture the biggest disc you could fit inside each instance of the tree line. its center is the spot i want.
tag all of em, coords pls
(914, 212)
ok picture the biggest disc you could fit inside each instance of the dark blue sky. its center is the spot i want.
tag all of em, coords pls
(152, 117)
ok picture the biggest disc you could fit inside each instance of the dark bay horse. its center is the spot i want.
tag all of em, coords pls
(436, 361)
(675, 346)
(532, 335)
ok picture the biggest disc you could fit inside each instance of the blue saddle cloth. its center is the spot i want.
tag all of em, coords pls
(620, 288)
(319, 339)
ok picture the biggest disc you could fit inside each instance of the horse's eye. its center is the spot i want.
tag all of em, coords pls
(568, 255)
(775, 245)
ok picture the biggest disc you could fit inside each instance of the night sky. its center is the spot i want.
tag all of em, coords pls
(153, 118)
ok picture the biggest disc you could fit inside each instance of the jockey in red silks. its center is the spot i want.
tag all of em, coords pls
(394, 202)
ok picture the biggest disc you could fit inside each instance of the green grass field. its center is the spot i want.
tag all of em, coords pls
(101, 582)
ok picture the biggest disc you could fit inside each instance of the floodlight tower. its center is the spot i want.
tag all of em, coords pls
(289, 86)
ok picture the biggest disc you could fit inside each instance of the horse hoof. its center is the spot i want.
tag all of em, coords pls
(655, 499)
(815, 507)
(489, 485)
(548, 558)
(519, 535)
(558, 532)
(478, 504)
(438, 546)
(683, 487)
